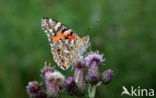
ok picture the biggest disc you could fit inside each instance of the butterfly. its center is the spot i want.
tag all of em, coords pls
(66, 45)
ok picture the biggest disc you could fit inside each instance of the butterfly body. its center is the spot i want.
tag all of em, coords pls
(66, 45)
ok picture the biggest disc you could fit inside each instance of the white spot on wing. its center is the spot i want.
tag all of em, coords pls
(49, 39)
(57, 25)
(48, 35)
(60, 46)
(66, 32)
(44, 21)
(51, 44)
(50, 20)
(66, 42)
(45, 31)
(43, 24)
(53, 34)
(72, 41)
(50, 30)
(60, 41)
(66, 51)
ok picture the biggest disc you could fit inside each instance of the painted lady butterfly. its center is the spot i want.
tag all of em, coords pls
(66, 45)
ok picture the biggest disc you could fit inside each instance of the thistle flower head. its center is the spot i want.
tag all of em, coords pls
(80, 64)
(92, 60)
(106, 76)
(54, 83)
(70, 86)
(34, 90)
(57, 78)
(45, 70)
(94, 56)
(93, 75)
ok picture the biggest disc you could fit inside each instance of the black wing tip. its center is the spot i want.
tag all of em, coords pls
(45, 18)
(49, 18)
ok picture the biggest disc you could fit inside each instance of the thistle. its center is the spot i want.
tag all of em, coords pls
(106, 76)
(76, 85)
(79, 76)
(34, 90)
(92, 60)
(54, 81)
(70, 86)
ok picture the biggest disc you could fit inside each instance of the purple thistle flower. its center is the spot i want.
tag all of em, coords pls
(106, 76)
(94, 56)
(92, 60)
(80, 64)
(70, 86)
(79, 76)
(34, 90)
(47, 70)
(54, 81)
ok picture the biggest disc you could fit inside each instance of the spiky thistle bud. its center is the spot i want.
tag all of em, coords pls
(106, 76)
(92, 60)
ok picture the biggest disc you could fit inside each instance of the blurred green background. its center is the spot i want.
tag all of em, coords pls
(123, 30)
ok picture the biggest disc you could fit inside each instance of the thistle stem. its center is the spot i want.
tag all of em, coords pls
(91, 91)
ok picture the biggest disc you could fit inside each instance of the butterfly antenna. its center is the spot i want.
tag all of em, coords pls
(90, 28)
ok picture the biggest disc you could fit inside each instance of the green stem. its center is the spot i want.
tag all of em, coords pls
(91, 91)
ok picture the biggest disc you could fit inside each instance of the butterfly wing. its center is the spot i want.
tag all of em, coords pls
(66, 45)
